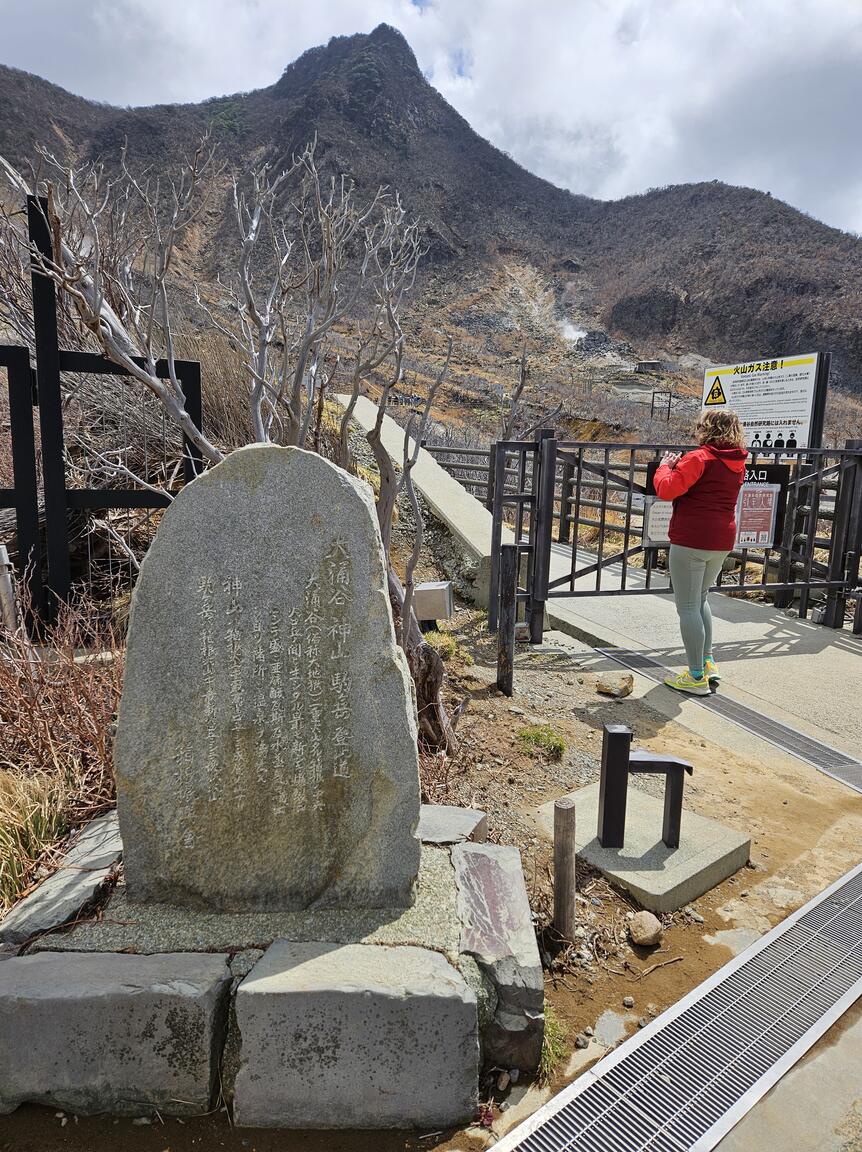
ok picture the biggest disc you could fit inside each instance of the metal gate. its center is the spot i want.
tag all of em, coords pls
(577, 511)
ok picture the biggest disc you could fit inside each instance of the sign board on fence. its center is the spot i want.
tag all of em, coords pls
(759, 510)
(774, 399)
(657, 514)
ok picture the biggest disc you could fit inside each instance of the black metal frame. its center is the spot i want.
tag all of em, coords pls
(618, 763)
(24, 496)
(532, 528)
(823, 515)
(471, 467)
(42, 388)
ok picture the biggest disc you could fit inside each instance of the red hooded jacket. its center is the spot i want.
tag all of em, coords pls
(704, 488)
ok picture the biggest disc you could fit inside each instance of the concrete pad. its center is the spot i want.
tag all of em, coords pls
(660, 879)
(432, 922)
(498, 931)
(448, 824)
(355, 1036)
(88, 864)
(121, 1034)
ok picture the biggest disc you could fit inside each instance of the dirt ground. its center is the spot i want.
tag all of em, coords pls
(805, 831)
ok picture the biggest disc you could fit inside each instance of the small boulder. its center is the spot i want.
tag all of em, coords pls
(645, 929)
(616, 684)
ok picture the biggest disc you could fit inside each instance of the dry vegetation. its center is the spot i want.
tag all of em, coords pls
(57, 706)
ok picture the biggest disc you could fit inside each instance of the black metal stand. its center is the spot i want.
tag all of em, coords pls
(618, 763)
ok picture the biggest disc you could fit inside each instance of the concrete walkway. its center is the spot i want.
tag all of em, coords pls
(798, 673)
(817, 1105)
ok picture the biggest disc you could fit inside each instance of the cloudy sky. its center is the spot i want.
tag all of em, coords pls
(605, 97)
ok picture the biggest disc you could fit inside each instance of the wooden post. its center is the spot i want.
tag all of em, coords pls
(508, 615)
(564, 867)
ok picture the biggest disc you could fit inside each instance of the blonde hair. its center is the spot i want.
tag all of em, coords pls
(719, 426)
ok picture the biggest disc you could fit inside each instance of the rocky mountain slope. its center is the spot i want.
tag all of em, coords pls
(721, 271)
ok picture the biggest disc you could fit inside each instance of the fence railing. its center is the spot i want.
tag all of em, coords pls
(584, 504)
(471, 467)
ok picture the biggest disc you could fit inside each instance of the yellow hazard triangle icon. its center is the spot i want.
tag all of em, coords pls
(716, 393)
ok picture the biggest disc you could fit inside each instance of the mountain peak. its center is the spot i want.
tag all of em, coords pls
(385, 43)
(393, 41)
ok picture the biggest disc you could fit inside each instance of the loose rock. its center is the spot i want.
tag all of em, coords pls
(582, 1041)
(628, 1001)
(617, 684)
(645, 929)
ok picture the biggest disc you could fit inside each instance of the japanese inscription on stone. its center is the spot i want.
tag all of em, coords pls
(266, 746)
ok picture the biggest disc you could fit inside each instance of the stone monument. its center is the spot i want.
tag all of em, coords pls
(264, 942)
(266, 745)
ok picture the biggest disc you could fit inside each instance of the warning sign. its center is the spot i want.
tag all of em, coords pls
(774, 399)
(716, 394)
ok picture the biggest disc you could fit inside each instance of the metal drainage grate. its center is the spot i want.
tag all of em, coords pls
(683, 1082)
(833, 763)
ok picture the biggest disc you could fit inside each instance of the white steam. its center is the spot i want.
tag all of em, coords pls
(569, 332)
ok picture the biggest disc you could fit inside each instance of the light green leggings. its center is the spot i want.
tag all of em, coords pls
(693, 572)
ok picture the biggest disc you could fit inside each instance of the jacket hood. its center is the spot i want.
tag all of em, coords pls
(732, 457)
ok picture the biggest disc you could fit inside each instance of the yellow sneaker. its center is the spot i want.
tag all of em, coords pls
(711, 671)
(685, 682)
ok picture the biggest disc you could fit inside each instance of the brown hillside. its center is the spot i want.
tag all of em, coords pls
(708, 268)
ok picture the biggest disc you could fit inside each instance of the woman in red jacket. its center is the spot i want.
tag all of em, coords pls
(704, 487)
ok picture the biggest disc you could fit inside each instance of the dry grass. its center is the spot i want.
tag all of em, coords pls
(57, 707)
(224, 388)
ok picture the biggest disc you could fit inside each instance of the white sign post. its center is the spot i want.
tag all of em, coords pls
(776, 400)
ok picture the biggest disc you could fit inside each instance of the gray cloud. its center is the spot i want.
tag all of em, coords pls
(605, 97)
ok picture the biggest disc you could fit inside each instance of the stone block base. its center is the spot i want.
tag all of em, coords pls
(355, 1036)
(111, 1033)
(660, 879)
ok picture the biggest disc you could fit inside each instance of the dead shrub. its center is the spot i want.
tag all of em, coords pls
(58, 700)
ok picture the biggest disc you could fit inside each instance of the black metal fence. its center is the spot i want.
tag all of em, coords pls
(577, 512)
(44, 496)
(471, 467)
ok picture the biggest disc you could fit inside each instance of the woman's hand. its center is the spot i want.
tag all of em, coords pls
(671, 459)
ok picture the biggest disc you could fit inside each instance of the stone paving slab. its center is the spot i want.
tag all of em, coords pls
(660, 879)
(431, 922)
(88, 864)
(121, 1034)
(498, 931)
(449, 824)
(355, 1036)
